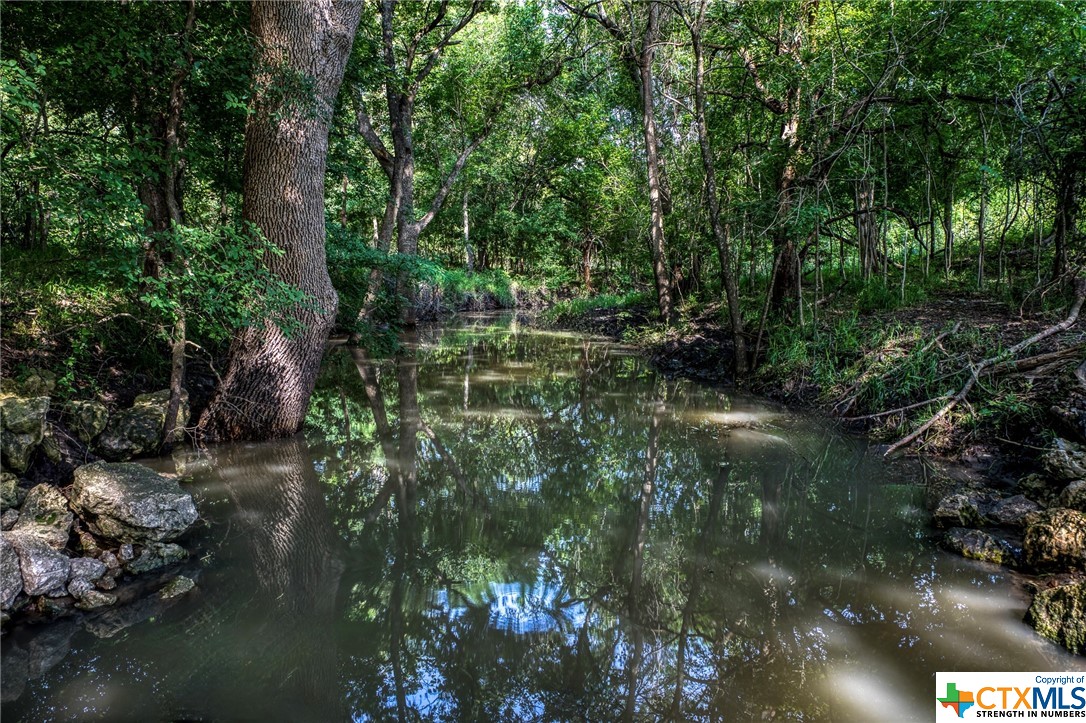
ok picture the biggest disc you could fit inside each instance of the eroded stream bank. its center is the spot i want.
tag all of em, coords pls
(505, 523)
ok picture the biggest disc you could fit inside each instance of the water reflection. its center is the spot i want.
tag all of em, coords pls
(506, 525)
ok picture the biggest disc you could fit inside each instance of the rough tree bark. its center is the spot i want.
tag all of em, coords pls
(266, 388)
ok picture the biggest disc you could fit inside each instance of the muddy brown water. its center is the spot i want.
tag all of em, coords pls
(509, 524)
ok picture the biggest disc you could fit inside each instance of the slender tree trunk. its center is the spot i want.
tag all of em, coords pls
(657, 241)
(469, 253)
(948, 228)
(271, 373)
(982, 217)
(1066, 216)
(720, 234)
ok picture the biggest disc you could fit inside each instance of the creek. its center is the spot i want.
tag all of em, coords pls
(504, 523)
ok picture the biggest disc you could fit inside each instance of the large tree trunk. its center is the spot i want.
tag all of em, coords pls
(265, 391)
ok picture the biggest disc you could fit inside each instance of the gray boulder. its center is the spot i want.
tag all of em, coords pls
(45, 513)
(11, 575)
(155, 556)
(980, 545)
(44, 570)
(87, 568)
(138, 430)
(22, 426)
(8, 519)
(87, 419)
(1056, 539)
(1064, 461)
(1012, 511)
(1074, 496)
(130, 503)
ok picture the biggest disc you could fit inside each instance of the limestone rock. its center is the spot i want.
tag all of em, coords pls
(24, 415)
(961, 509)
(1056, 539)
(980, 545)
(45, 513)
(1074, 496)
(1039, 487)
(139, 430)
(11, 494)
(1065, 461)
(22, 429)
(38, 383)
(1012, 511)
(44, 570)
(87, 419)
(94, 599)
(130, 503)
(49, 445)
(176, 587)
(11, 575)
(1059, 614)
(155, 556)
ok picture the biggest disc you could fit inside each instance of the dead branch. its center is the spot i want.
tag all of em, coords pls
(1033, 362)
(944, 335)
(895, 411)
(961, 394)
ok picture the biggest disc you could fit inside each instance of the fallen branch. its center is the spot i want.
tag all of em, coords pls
(1033, 362)
(1080, 373)
(851, 398)
(940, 337)
(961, 394)
(895, 411)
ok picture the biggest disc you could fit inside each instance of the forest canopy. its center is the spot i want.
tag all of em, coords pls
(760, 155)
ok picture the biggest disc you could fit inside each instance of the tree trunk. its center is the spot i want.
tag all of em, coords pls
(657, 242)
(948, 228)
(469, 254)
(271, 373)
(866, 230)
(1066, 215)
(727, 276)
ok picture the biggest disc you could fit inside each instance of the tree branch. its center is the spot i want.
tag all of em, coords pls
(961, 394)
(365, 129)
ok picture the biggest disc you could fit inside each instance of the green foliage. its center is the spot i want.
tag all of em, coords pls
(571, 309)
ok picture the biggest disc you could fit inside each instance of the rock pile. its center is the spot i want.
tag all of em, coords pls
(1041, 529)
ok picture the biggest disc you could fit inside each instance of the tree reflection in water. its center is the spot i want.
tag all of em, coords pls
(501, 524)
(575, 538)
